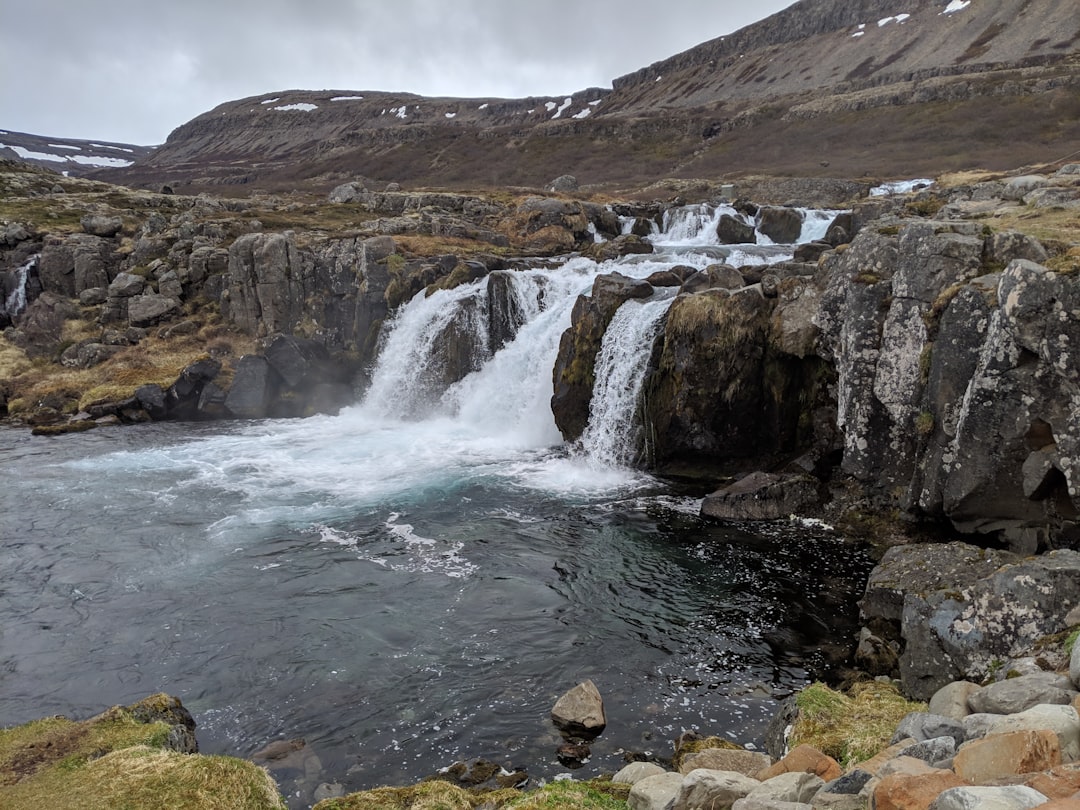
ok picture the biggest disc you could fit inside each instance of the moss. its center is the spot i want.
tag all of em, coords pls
(926, 207)
(850, 727)
(1070, 641)
(924, 424)
(889, 230)
(115, 761)
(62, 429)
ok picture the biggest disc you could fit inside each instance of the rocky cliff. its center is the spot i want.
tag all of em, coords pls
(871, 87)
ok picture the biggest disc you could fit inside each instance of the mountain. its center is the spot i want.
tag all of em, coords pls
(67, 155)
(825, 87)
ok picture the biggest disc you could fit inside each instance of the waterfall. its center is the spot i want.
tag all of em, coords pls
(480, 356)
(15, 289)
(612, 435)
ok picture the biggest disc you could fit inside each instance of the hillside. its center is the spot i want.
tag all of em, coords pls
(69, 156)
(868, 88)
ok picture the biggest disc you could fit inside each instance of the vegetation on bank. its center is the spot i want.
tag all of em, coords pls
(121, 759)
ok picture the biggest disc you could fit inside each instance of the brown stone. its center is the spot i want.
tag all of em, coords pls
(1008, 754)
(804, 759)
(873, 765)
(1072, 803)
(913, 792)
(748, 763)
(1062, 782)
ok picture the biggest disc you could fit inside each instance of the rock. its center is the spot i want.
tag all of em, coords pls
(1062, 720)
(103, 226)
(741, 761)
(655, 792)
(1074, 665)
(782, 225)
(714, 277)
(328, 790)
(151, 398)
(347, 192)
(875, 655)
(126, 285)
(851, 783)
(93, 296)
(961, 632)
(1017, 694)
(580, 712)
(573, 755)
(841, 230)
(988, 798)
(752, 803)
(1016, 188)
(804, 759)
(564, 184)
(169, 285)
(1009, 754)
(951, 700)
(912, 792)
(733, 231)
(764, 496)
(788, 787)
(1004, 246)
(932, 751)
(923, 726)
(1062, 782)
(622, 245)
(150, 308)
(811, 251)
(712, 789)
(253, 389)
(636, 771)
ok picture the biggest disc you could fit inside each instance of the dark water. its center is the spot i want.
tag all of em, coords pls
(283, 585)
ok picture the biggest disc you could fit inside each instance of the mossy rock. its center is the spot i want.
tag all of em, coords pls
(66, 427)
(120, 759)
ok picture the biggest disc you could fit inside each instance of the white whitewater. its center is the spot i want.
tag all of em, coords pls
(15, 302)
(612, 435)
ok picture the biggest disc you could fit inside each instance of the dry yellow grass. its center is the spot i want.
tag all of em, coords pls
(850, 727)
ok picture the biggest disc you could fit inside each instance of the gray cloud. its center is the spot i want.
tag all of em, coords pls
(133, 70)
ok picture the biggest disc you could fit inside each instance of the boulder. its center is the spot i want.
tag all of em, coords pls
(103, 226)
(753, 803)
(714, 277)
(150, 308)
(1003, 755)
(782, 225)
(734, 231)
(636, 771)
(932, 751)
(1018, 694)
(960, 632)
(741, 761)
(787, 788)
(655, 792)
(951, 700)
(1016, 188)
(804, 759)
(1074, 665)
(910, 791)
(1015, 797)
(126, 285)
(564, 184)
(923, 726)
(1062, 720)
(622, 245)
(713, 789)
(580, 712)
(764, 496)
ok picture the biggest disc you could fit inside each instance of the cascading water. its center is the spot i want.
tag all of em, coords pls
(14, 301)
(420, 577)
(613, 433)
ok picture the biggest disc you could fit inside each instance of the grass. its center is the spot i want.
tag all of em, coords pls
(438, 795)
(850, 727)
(116, 762)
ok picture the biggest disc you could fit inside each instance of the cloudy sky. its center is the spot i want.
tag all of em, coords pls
(133, 70)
